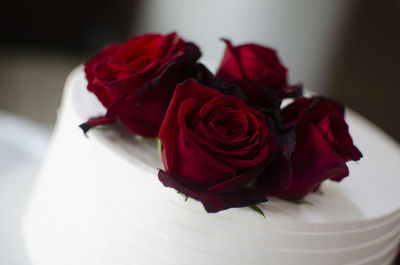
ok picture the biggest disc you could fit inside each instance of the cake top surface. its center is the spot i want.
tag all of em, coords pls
(369, 195)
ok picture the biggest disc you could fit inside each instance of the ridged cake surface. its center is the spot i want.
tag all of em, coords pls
(97, 200)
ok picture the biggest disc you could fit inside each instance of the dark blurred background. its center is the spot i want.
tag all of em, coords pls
(42, 41)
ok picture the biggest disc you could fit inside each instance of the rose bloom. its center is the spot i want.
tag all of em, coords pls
(215, 146)
(253, 63)
(135, 80)
(323, 145)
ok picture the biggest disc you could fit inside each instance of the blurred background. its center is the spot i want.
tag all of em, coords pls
(345, 49)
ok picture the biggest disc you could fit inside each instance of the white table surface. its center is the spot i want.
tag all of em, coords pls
(22, 145)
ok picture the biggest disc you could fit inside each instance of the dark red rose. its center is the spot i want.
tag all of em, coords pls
(258, 64)
(323, 144)
(214, 147)
(135, 80)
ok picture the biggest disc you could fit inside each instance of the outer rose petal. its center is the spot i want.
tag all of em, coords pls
(215, 202)
(94, 84)
(144, 112)
(313, 162)
(261, 64)
(93, 122)
(230, 68)
(277, 176)
(328, 116)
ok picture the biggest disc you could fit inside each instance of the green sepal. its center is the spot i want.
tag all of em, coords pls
(184, 195)
(159, 148)
(257, 209)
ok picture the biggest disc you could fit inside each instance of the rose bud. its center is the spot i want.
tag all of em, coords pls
(258, 64)
(323, 145)
(214, 147)
(135, 80)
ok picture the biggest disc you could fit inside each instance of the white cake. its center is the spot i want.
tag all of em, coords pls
(97, 200)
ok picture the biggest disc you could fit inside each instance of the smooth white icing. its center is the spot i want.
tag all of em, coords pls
(97, 200)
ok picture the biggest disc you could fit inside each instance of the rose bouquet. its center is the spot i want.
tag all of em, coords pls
(226, 140)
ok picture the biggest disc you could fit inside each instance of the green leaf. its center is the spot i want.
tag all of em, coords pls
(302, 202)
(147, 139)
(257, 209)
(159, 148)
(184, 195)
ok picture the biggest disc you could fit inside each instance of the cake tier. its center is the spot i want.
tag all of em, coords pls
(97, 200)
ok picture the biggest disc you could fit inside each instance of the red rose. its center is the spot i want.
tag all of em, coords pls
(214, 147)
(323, 144)
(135, 80)
(258, 64)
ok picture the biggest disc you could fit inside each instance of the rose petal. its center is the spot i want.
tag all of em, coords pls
(313, 162)
(193, 161)
(97, 121)
(169, 128)
(230, 66)
(215, 202)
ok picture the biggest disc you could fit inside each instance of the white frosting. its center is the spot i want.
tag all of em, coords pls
(97, 200)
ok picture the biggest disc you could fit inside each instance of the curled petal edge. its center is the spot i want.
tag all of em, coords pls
(215, 202)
